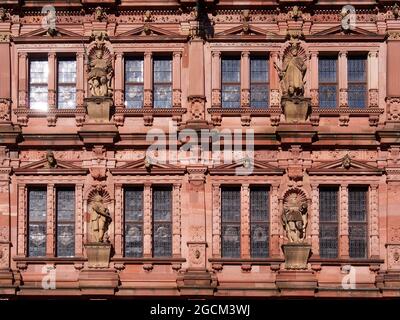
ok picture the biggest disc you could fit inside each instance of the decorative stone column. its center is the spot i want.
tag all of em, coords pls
(148, 80)
(5, 78)
(52, 80)
(374, 221)
(118, 221)
(22, 80)
(216, 226)
(216, 79)
(176, 220)
(344, 222)
(245, 221)
(275, 250)
(373, 79)
(51, 221)
(80, 89)
(245, 79)
(274, 97)
(314, 80)
(22, 220)
(79, 220)
(147, 222)
(176, 81)
(343, 99)
(315, 220)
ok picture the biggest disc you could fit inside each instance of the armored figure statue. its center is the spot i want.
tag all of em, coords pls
(292, 73)
(100, 219)
(294, 218)
(100, 73)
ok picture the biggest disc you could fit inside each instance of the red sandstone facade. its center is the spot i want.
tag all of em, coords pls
(112, 159)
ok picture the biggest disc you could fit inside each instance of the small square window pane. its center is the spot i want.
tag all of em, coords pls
(162, 70)
(230, 96)
(134, 96)
(231, 70)
(66, 97)
(38, 72)
(134, 70)
(162, 96)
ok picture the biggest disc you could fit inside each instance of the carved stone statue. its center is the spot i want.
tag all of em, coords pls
(51, 160)
(100, 73)
(294, 217)
(292, 73)
(100, 219)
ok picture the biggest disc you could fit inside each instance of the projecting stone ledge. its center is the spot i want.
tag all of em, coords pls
(98, 133)
(296, 133)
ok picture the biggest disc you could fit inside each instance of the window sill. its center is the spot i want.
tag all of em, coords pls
(342, 110)
(246, 264)
(348, 261)
(23, 262)
(148, 263)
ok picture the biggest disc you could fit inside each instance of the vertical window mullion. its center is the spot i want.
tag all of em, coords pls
(328, 222)
(65, 204)
(259, 222)
(230, 222)
(133, 219)
(37, 218)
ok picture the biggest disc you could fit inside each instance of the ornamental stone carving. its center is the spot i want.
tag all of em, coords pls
(294, 216)
(100, 219)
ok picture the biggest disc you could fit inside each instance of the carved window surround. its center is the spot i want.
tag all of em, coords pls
(216, 111)
(363, 178)
(135, 173)
(245, 183)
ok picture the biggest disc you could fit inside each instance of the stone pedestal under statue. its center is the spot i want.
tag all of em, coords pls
(99, 109)
(98, 254)
(295, 109)
(296, 255)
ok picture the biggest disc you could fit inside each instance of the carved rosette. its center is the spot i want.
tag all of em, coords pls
(197, 106)
(373, 98)
(343, 98)
(393, 107)
(216, 98)
(5, 109)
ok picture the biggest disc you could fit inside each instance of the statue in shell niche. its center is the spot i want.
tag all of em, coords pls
(294, 220)
(100, 72)
(294, 217)
(291, 75)
(100, 219)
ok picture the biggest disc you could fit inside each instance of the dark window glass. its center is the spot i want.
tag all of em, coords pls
(259, 82)
(37, 217)
(328, 222)
(133, 222)
(38, 84)
(134, 82)
(162, 82)
(162, 222)
(357, 81)
(230, 214)
(327, 76)
(65, 222)
(66, 84)
(230, 82)
(358, 233)
(259, 222)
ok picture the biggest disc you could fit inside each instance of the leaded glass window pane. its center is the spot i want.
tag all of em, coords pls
(327, 75)
(162, 82)
(162, 222)
(230, 215)
(259, 82)
(357, 81)
(134, 83)
(328, 222)
(133, 222)
(37, 217)
(230, 90)
(259, 222)
(66, 91)
(358, 234)
(65, 222)
(38, 84)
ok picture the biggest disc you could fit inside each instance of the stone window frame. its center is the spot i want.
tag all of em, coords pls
(246, 262)
(245, 111)
(147, 182)
(373, 51)
(51, 183)
(343, 183)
